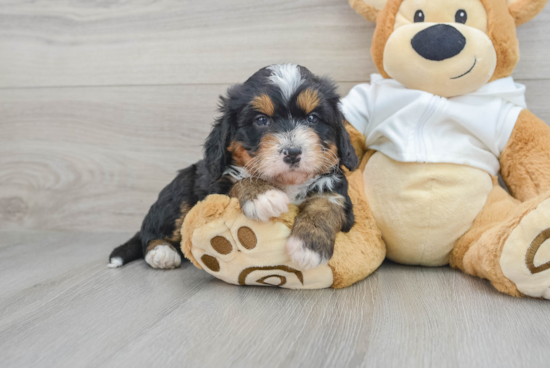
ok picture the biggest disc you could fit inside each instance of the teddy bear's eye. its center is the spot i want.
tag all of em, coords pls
(419, 16)
(461, 16)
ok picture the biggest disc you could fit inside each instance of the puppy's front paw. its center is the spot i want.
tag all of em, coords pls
(163, 257)
(303, 256)
(272, 203)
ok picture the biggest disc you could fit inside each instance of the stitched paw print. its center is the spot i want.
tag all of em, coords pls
(525, 258)
(242, 251)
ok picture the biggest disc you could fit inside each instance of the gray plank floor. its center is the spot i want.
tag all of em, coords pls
(61, 307)
(102, 101)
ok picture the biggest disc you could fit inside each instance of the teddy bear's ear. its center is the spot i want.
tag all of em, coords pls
(368, 8)
(525, 10)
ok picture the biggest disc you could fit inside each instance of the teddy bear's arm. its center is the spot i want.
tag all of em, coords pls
(525, 162)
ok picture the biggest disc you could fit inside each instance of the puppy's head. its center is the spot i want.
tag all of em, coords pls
(282, 125)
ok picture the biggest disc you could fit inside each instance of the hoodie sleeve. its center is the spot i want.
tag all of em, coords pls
(356, 106)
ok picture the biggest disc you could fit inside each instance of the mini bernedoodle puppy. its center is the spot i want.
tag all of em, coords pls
(281, 139)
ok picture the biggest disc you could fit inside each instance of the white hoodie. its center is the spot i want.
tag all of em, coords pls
(415, 126)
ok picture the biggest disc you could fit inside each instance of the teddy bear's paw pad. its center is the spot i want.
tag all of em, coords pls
(525, 258)
(272, 203)
(210, 263)
(247, 237)
(221, 245)
(163, 257)
(215, 239)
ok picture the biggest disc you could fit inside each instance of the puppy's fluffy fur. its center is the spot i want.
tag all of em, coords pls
(280, 140)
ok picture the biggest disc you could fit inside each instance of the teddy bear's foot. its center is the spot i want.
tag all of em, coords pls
(242, 251)
(525, 258)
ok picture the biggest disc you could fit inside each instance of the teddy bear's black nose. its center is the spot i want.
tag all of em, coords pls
(438, 42)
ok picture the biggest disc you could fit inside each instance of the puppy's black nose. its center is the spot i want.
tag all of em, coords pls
(438, 42)
(292, 155)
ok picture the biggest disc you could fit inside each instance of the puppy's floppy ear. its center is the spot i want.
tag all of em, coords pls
(524, 10)
(346, 151)
(368, 8)
(216, 155)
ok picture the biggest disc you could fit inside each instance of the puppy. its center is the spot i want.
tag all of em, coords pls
(281, 139)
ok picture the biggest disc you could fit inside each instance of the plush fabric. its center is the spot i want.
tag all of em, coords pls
(524, 10)
(383, 31)
(367, 10)
(525, 162)
(525, 255)
(360, 252)
(502, 32)
(444, 198)
(505, 224)
(241, 251)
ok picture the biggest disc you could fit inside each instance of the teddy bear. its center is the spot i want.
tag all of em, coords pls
(432, 130)
(442, 119)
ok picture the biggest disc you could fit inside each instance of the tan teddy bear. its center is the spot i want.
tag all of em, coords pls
(443, 118)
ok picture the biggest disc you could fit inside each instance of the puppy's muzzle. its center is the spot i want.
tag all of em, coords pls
(292, 156)
(438, 42)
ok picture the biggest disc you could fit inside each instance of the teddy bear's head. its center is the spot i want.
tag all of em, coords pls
(446, 47)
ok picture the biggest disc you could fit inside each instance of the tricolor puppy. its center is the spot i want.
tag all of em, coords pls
(281, 139)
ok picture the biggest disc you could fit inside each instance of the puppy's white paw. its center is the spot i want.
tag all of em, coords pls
(272, 203)
(115, 262)
(164, 257)
(302, 256)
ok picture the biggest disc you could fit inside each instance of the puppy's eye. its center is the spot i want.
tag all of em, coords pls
(419, 16)
(461, 16)
(312, 118)
(262, 121)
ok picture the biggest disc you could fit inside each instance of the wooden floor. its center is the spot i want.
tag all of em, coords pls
(61, 307)
(101, 102)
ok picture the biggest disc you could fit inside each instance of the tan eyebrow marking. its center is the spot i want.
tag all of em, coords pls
(239, 154)
(263, 104)
(308, 100)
